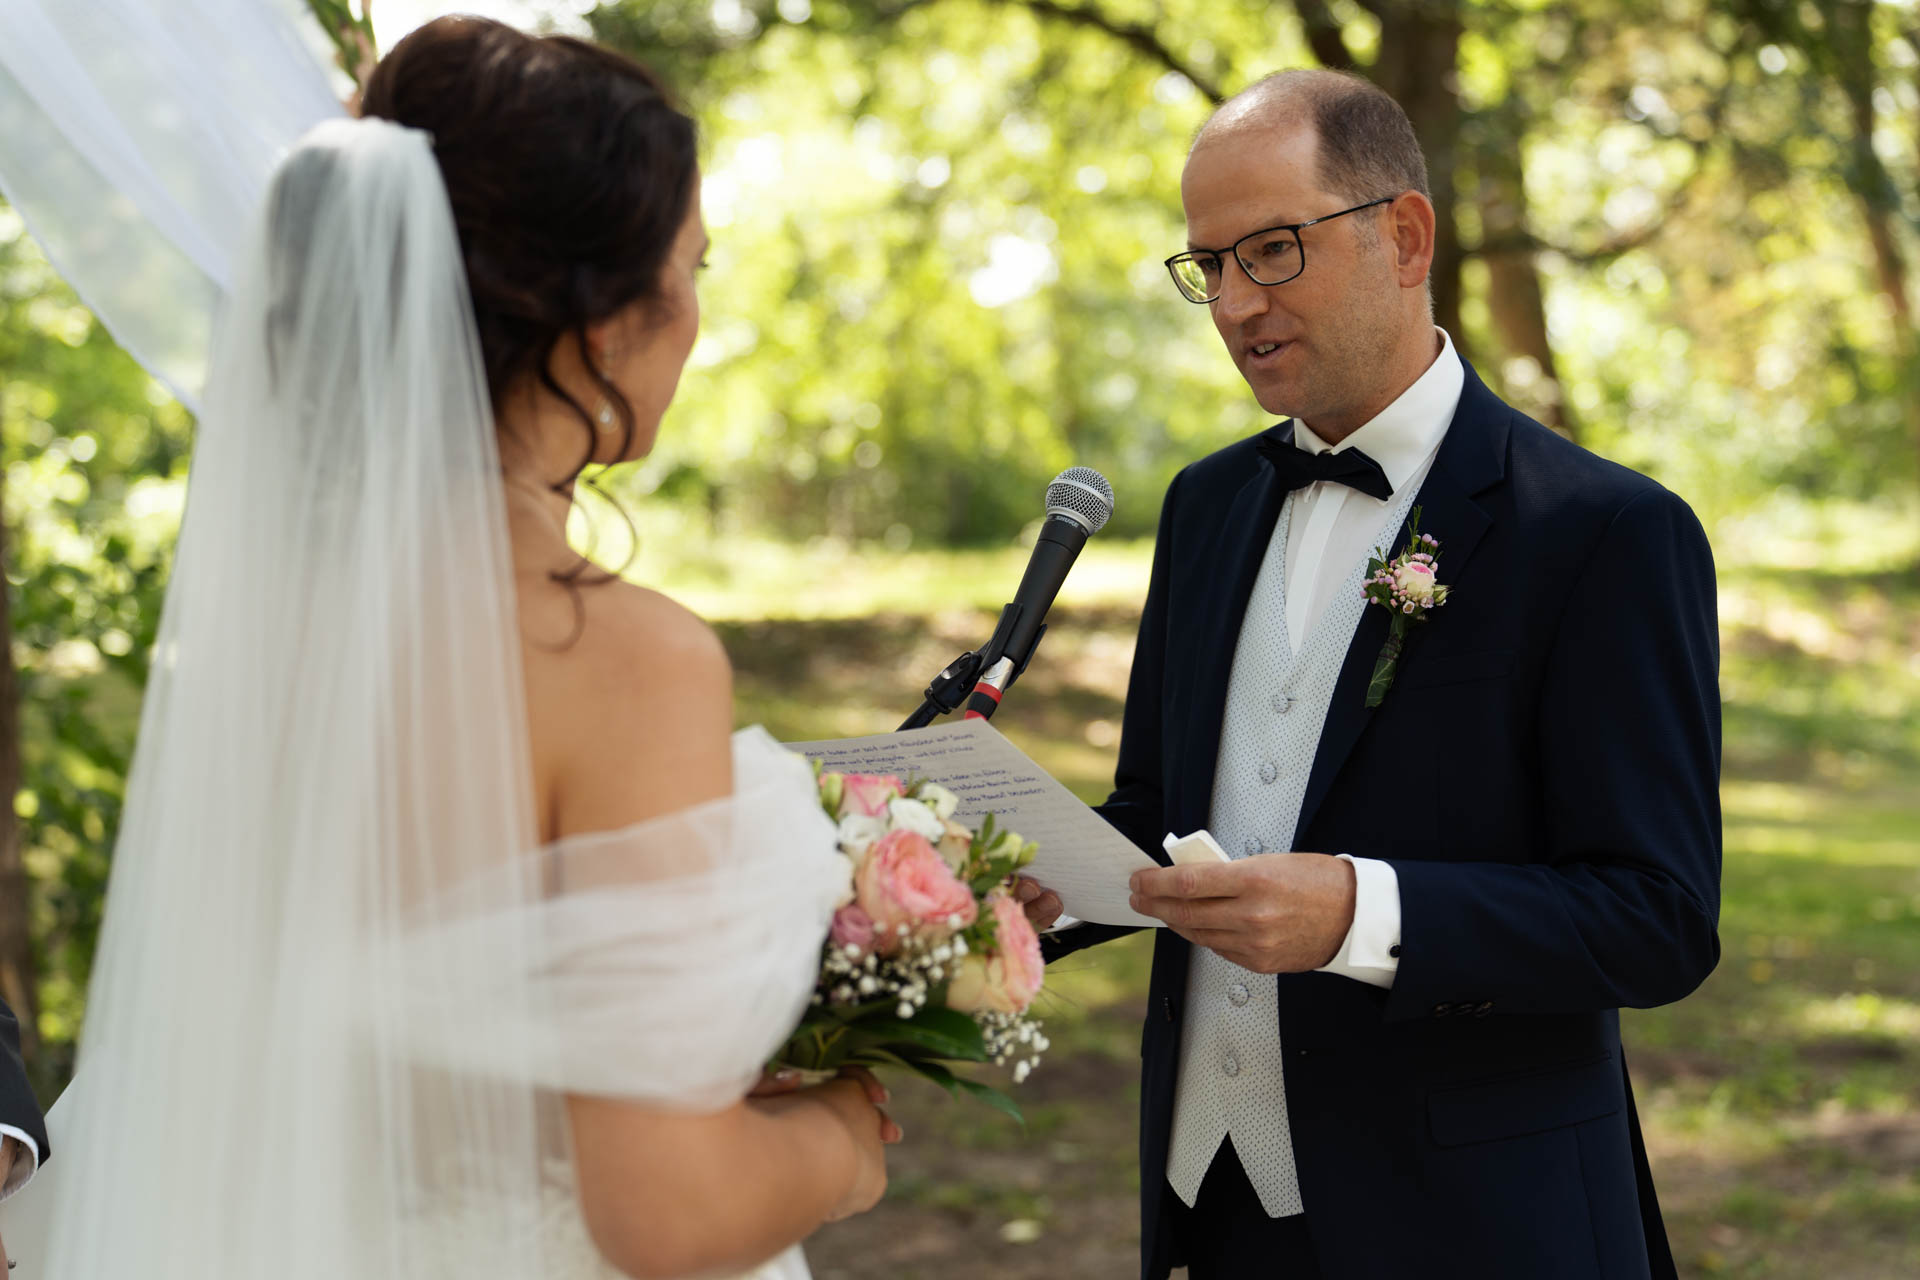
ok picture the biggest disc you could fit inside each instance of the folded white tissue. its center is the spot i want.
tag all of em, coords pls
(1197, 848)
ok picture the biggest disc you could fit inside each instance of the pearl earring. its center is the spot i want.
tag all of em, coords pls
(604, 415)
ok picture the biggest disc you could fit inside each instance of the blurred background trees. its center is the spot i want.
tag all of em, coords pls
(1678, 231)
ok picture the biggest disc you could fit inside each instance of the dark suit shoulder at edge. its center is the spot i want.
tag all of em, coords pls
(1587, 488)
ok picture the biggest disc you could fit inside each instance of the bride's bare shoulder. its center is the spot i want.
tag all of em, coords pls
(634, 632)
(629, 706)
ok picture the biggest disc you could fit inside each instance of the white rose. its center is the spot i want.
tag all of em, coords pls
(1415, 581)
(857, 835)
(942, 801)
(847, 892)
(955, 845)
(916, 817)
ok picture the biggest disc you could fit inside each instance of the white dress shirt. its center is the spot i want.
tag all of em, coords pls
(1333, 529)
(26, 1160)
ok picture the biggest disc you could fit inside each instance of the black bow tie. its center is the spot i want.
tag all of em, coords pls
(1297, 468)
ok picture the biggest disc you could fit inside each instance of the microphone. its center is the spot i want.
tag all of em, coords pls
(1079, 502)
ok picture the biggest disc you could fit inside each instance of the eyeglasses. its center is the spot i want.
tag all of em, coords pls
(1271, 256)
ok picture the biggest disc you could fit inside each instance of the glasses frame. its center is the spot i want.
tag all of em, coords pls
(1220, 255)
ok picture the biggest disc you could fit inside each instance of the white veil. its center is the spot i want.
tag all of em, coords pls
(136, 138)
(332, 745)
(339, 990)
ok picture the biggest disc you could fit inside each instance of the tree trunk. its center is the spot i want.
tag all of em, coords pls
(1891, 268)
(17, 986)
(1419, 51)
(1322, 30)
(1850, 46)
(1514, 296)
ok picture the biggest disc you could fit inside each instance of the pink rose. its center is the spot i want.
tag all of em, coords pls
(1415, 581)
(866, 794)
(1007, 978)
(904, 881)
(852, 927)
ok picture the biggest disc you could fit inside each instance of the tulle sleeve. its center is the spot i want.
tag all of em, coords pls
(664, 962)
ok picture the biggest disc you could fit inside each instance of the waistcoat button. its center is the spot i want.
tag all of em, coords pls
(1269, 771)
(1237, 994)
(1231, 1066)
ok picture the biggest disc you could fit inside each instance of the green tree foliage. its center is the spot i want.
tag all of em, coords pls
(94, 455)
(1655, 207)
(937, 269)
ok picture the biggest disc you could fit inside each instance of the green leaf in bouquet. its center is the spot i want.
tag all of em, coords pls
(845, 1013)
(818, 1042)
(832, 790)
(995, 863)
(992, 1097)
(940, 1075)
(959, 1085)
(952, 1023)
(986, 880)
(816, 1046)
(946, 1033)
(876, 1056)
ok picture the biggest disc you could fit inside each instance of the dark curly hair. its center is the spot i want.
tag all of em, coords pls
(570, 171)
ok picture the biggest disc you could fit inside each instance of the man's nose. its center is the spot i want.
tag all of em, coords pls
(1240, 298)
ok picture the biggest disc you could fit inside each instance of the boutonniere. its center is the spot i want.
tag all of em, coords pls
(1407, 588)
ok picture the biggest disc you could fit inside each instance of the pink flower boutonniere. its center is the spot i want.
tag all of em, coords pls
(1407, 588)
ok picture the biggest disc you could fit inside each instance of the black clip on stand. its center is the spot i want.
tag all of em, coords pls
(958, 678)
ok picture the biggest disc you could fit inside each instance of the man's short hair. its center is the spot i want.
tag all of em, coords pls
(1367, 147)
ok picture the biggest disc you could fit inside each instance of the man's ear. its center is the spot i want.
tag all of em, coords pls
(1413, 223)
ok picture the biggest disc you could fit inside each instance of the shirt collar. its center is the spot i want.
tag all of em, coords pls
(1402, 435)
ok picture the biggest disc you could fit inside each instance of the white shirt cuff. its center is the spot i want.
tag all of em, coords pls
(1371, 951)
(26, 1161)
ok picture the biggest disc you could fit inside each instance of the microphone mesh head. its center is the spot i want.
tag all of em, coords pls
(1083, 495)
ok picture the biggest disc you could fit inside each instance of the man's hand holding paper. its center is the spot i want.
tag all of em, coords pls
(1271, 913)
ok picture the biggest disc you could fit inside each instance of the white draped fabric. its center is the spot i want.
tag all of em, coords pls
(136, 140)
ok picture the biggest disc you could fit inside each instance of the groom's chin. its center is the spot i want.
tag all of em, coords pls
(1278, 410)
(1277, 401)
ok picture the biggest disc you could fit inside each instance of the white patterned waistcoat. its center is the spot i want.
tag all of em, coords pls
(1232, 1078)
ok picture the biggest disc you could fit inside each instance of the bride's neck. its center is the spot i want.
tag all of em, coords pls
(536, 513)
(539, 461)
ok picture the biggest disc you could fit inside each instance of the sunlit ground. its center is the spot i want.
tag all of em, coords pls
(1782, 1101)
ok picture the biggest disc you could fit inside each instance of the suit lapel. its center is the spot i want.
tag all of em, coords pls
(1242, 538)
(1472, 459)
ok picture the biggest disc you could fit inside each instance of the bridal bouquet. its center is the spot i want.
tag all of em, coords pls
(930, 961)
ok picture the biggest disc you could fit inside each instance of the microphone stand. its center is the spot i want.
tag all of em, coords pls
(957, 679)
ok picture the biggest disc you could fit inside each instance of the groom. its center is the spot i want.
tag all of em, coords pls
(23, 1134)
(1384, 1039)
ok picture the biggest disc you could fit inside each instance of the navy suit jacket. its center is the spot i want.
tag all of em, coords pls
(17, 1105)
(1543, 777)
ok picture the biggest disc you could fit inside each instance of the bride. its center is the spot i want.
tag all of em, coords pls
(449, 925)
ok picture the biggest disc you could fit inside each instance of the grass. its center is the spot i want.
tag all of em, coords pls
(1781, 1101)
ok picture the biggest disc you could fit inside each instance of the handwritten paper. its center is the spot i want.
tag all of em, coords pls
(1081, 857)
